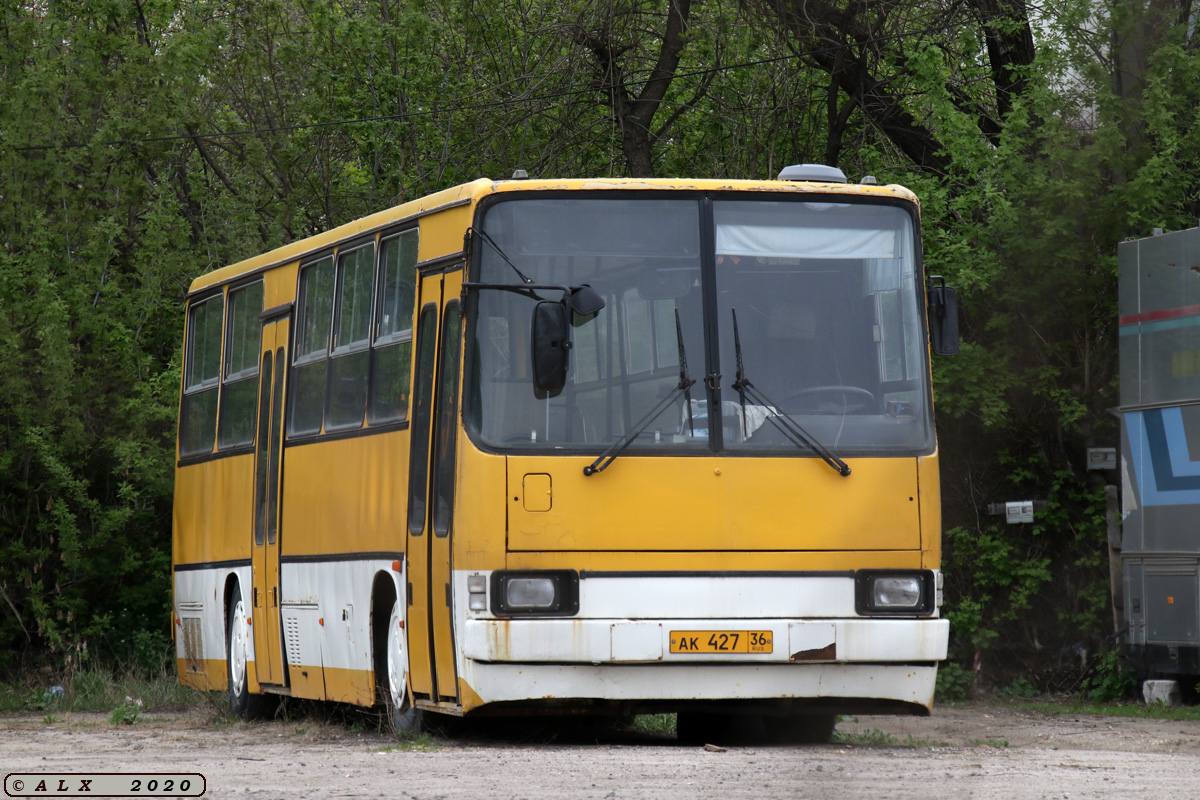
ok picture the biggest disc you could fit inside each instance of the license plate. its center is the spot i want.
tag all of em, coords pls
(721, 642)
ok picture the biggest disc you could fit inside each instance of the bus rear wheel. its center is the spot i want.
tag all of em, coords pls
(800, 728)
(714, 727)
(242, 703)
(724, 727)
(402, 717)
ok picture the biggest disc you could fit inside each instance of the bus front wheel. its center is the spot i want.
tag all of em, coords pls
(401, 714)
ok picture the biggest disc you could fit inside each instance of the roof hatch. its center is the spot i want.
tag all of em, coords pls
(819, 173)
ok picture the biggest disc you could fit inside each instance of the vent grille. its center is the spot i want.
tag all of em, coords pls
(193, 644)
(291, 635)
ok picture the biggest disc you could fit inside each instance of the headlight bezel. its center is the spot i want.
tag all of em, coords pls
(865, 602)
(566, 593)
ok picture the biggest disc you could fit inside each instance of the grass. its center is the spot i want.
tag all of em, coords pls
(1079, 706)
(999, 743)
(127, 713)
(115, 692)
(877, 738)
(128, 696)
(410, 743)
(868, 738)
(655, 724)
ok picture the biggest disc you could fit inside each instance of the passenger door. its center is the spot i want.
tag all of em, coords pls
(436, 380)
(268, 470)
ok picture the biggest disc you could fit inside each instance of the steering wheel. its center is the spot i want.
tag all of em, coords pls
(520, 438)
(801, 398)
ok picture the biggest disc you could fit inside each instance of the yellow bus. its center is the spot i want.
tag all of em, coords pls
(572, 446)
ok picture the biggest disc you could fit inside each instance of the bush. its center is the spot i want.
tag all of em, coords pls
(954, 682)
(1111, 679)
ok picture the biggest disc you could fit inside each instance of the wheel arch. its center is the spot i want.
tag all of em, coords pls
(384, 594)
(232, 583)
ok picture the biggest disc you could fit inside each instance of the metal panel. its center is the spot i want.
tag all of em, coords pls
(1132, 529)
(1173, 529)
(637, 641)
(1135, 601)
(1168, 278)
(1160, 318)
(788, 504)
(302, 640)
(1129, 306)
(537, 492)
(1171, 604)
(302, 635)
(1162, 479)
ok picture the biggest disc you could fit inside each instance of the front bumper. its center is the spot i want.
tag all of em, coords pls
(600, 641)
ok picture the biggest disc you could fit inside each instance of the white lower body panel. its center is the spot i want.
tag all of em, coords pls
(679, 682)
(861, 660)
(625, 645)
(201, 614)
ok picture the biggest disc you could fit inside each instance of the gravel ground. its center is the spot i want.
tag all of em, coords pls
(974, 751)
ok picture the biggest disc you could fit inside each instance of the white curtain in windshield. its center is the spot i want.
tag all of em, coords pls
(770, 240)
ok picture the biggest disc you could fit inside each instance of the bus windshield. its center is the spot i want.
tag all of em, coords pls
(803, 309)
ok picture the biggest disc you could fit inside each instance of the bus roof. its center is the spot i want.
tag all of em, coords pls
(472, 192)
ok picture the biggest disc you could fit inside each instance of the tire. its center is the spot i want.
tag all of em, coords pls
(242, 703)
(799, 728)
(705, 727)
(402, 717)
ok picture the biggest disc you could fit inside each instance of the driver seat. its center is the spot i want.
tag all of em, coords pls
(796, 328)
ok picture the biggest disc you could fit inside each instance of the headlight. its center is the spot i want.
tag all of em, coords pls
(535, 593)
(532, 593)
(881, 592)
(903, 591)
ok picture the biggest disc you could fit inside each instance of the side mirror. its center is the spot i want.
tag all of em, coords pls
(943, 317)
(550, 345)
(586, 301)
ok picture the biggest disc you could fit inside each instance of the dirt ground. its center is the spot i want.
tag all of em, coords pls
(975, 751)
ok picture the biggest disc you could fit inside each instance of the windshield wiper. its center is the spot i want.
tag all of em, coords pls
(683, 375)
(684, 387)
(791, 429)
(473, 231)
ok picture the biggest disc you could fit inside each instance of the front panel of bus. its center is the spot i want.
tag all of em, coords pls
(733, 493)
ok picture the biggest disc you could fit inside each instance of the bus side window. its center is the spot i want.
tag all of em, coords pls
(392, 355)
(243, 341)
(312, 347)
(351, 339)
(202, 377)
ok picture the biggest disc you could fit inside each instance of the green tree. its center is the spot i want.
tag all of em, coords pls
(91, 272)
(145, 143)
(1035, 151)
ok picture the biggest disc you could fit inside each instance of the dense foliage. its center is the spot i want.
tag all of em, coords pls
(146, 142)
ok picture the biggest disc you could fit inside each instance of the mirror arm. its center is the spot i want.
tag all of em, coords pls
(530, 290)
(525, 290)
